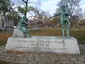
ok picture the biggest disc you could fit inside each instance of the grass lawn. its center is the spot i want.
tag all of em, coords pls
(77, 33)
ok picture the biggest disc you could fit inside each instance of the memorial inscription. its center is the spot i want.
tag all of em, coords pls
(36, 44)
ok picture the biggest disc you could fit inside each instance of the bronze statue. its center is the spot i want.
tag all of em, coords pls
(64, 14)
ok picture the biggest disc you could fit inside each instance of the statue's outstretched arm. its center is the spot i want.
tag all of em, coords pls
(55, 15)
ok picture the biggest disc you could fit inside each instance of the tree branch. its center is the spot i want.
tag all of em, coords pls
(24, 1)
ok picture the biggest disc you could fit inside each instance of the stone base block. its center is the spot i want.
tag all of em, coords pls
(44, 44)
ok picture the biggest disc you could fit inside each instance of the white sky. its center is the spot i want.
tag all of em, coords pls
(51, 5)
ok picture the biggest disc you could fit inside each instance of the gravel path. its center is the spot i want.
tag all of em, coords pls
(42, 58)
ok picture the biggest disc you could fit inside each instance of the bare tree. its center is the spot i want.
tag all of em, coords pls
(72, 4)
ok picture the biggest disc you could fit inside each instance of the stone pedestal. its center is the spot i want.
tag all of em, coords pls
(44, 44)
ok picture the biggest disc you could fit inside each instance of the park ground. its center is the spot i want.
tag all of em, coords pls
(77, 33)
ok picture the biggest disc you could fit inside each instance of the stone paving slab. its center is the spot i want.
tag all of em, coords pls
(42, 58)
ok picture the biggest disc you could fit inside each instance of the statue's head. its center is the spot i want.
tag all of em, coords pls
(64, 6)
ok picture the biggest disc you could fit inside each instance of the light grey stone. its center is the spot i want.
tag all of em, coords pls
(44, 44)
(73, 59)
(64, 58)
(79, 62)
(81, 59)
(17, 33)
(66, 62)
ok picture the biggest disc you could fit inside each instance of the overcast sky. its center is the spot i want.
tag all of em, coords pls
(51, 5)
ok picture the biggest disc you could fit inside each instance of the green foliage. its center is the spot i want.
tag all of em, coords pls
(23, 10)
(4, 5)
(12, 15)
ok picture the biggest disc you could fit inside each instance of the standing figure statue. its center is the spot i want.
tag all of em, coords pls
(64, 14)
